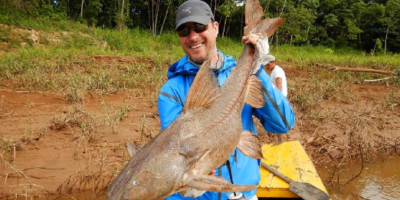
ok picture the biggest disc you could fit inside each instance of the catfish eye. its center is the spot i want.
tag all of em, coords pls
(136, 182)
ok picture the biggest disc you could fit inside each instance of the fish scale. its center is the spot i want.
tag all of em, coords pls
(204, 134)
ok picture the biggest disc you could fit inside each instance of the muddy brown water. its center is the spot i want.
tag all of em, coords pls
(379, 180)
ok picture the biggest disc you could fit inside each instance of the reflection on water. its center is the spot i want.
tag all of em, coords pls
(378, 180)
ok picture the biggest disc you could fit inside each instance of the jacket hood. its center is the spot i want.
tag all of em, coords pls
(185, 67)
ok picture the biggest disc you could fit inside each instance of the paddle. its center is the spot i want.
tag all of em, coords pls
(303, 190)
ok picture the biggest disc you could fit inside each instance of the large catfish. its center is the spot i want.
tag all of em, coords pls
(205, 133)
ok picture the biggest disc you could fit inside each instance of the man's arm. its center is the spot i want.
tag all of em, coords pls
(277, 115)
(169, 106)
(278, 82)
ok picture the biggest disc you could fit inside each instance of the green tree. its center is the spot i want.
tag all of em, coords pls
(372, 25)
(298, 24)
(391, 20)
(92, 11)
(329, 21)
(226, 10)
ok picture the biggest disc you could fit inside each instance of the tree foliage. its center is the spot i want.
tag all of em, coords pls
(355, 23)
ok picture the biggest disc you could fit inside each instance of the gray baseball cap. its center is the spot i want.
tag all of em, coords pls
(193, 11)
(267, 59)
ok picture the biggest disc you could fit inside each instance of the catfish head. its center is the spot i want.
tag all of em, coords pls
(138, 186)
(142, 179)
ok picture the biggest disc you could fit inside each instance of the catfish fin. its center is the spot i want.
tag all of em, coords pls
(253, 14)
(193, 193)
(215, 184)
(204, 90)
(131, 149)
(249, 145)
(268, 26)
(254, 94)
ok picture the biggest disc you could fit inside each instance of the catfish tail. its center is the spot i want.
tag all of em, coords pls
(254, 24)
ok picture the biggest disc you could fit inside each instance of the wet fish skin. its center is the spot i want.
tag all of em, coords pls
(204, 135)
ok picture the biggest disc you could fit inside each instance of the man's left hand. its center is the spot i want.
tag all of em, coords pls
(251, 38)
(261, 44)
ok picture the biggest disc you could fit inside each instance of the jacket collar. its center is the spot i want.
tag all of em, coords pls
(185, 67)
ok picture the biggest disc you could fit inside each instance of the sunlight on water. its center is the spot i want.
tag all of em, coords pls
(378, 180)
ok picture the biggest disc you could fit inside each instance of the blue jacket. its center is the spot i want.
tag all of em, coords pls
(245, 170)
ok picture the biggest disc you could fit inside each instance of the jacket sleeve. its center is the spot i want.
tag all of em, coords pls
(169, 106)
(277, 115)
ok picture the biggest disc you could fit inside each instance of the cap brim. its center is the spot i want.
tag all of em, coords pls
(266, 61)
(198, 19)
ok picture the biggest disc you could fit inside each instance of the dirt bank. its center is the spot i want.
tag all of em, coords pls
(51, 146)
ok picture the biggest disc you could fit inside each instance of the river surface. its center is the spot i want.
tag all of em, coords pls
(378, 180)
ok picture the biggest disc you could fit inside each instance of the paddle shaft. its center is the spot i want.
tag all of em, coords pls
(275, 172)
(306, 191)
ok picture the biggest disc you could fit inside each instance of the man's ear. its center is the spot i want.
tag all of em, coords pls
(216, 27)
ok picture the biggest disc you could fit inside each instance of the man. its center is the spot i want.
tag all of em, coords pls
(277, 75)
(198, 31)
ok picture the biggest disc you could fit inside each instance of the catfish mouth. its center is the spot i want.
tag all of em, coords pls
(137, 193)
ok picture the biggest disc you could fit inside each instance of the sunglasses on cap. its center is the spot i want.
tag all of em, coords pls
(184, 31)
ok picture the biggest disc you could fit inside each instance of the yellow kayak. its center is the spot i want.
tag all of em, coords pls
(290, 159)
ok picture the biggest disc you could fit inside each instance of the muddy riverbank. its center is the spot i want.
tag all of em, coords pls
(50, 146)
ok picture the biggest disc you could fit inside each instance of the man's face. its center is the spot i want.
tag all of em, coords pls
(200, 46)
(270, 65)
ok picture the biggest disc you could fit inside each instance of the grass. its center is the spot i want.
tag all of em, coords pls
(66, 58)
(62, 56)
(76, 60)
(6, 145)
(114, 115)
(392, 99)
(305, 55)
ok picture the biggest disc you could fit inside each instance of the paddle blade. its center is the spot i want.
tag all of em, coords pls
(308, 191)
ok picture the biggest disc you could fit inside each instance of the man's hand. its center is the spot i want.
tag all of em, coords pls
(262, 47)
(251, 38)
